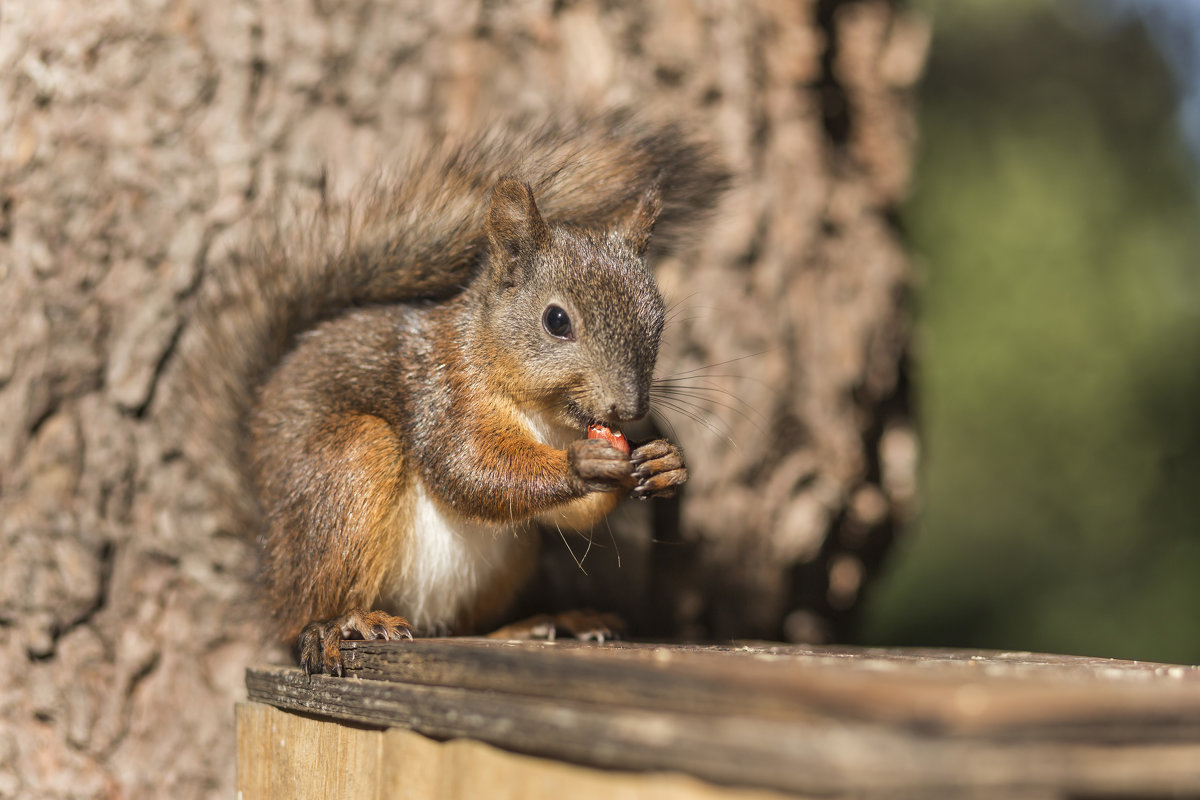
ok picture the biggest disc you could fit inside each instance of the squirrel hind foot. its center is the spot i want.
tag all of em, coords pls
(583, 625)
(320, 643)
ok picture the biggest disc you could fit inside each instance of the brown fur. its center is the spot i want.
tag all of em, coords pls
(402, 342)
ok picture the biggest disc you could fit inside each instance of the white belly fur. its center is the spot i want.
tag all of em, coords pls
(446, 560)
(443, 563)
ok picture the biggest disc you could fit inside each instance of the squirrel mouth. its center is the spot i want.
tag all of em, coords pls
(580, 418)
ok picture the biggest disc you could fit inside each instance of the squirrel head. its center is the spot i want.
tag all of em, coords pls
(572, 316)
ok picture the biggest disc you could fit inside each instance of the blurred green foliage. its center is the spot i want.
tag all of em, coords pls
(1057, 230)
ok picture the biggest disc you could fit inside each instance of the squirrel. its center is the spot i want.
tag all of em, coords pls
(412, 382)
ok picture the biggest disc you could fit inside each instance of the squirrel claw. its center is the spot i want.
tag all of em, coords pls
(320, 643)
(583, 625)
(655, 449)
(586, 625)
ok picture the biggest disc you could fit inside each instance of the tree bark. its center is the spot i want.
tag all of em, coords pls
(137, 137)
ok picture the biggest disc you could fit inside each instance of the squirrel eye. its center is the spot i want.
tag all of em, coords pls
(556, 322)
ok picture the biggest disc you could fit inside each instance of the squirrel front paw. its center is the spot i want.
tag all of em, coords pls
(320, 643)
(658, 469)
(600, 466)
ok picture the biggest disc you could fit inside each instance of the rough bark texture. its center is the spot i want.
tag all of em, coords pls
(137, 135)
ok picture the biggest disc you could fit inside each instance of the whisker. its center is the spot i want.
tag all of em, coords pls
(613, 539)
(563, 536)
(588, 538)
(700, 391)
(687, 412)
(696, 387)
(678, 408)
(666, 423)
(676, 307)
(694, 397)
(714, 375)
(711, 366)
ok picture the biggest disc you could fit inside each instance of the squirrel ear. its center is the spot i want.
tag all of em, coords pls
(514, 226)
(639, 227)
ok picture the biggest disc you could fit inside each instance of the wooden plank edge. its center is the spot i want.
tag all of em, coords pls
(798, 757)
(692, 681)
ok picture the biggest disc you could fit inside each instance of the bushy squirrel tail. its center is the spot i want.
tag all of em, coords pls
(418, 234)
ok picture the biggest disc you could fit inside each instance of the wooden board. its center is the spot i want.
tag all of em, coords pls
(283, 755)
(834, 721)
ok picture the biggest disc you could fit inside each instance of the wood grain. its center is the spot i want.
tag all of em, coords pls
(808, 720)
(282, 755)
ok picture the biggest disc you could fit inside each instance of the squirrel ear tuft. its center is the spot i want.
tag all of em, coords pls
(514, 227)
(639, 226)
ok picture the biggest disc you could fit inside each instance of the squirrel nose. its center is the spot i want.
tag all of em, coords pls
(632, 406)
